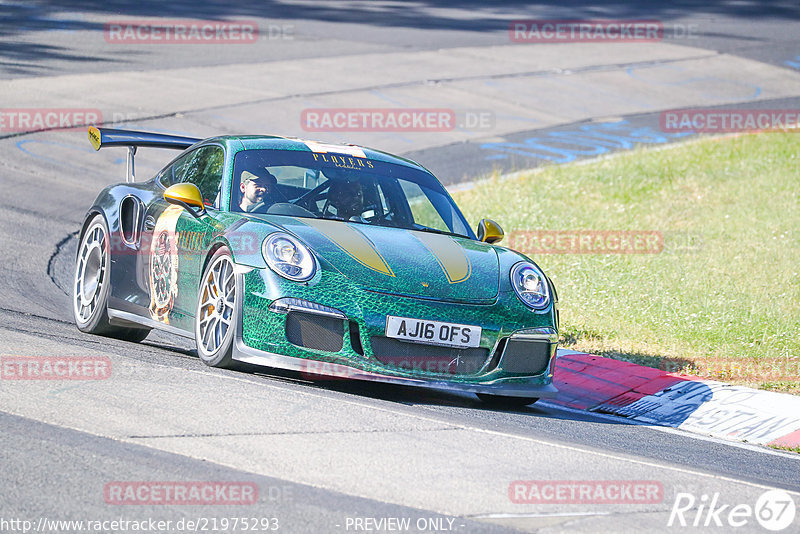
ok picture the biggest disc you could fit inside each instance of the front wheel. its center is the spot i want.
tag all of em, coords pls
(91, 286)
(504, 401)
(215, 317)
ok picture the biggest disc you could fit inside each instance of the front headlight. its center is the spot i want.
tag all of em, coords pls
(288, 257)
(530, 285)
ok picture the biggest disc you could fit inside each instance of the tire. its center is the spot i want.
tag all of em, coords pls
(91, 286)
(503, 401)
(216, 318)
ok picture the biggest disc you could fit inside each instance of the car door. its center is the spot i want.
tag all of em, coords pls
(178, 240)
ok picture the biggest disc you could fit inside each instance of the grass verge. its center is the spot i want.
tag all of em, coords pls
(720, 299)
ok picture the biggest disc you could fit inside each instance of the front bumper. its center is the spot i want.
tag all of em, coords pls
(313, 368)
(262, 338)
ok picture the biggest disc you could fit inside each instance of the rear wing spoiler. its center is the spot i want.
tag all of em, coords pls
(106, 137)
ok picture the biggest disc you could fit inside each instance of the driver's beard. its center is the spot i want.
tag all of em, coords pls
(252, 200)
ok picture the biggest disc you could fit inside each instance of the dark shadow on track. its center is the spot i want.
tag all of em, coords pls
(21, 56)
(411, 14)
(414, 396)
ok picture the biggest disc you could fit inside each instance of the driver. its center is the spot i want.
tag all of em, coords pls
(257, 190)
(347, 196)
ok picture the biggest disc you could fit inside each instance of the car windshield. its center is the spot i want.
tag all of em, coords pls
(345, 187)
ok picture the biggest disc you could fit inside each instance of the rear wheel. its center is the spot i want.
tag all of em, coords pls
(504, 401)
(215, 316)
(91, 286)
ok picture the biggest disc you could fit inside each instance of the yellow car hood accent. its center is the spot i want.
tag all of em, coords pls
(404, 262)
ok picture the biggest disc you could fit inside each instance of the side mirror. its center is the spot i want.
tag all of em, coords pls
(489, 231)
(188, 197)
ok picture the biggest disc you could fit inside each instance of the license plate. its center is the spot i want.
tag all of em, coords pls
(433, 332)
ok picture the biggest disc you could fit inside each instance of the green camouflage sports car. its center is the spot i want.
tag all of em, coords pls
(331, 260)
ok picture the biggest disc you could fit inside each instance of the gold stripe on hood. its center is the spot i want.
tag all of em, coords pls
(352, 242)
(451, 257)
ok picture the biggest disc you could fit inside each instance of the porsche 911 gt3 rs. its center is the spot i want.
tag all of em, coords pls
(333, 260)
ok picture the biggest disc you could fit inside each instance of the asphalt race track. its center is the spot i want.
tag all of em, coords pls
(340, 456)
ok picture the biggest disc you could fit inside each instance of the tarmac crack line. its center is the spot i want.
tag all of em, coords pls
(51, 261)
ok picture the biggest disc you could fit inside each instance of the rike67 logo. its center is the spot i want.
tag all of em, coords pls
(774, 510)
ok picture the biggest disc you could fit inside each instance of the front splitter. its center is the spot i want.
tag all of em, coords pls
(246, 354)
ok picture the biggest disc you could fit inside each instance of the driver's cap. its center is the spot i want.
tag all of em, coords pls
(265, 178)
